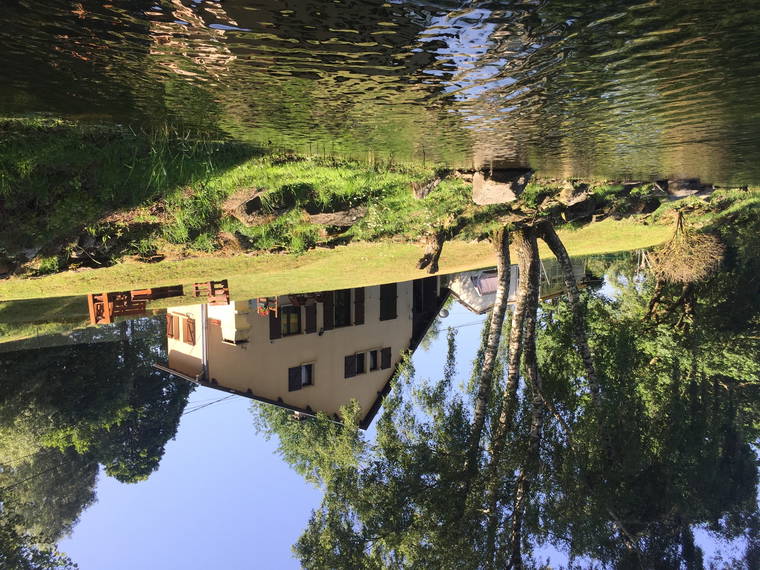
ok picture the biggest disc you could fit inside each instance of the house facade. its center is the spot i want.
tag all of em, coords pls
(308, 353)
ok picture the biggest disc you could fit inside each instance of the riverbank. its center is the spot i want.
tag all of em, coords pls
(105, 208)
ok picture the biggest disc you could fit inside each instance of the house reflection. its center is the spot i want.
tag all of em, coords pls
(315, 352)
(307, 352)
(476, 290)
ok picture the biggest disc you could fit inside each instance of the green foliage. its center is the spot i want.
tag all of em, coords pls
(63, 413)
(315, 447)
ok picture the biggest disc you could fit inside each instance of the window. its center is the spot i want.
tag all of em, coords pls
(343, 308)
(374, 363)
(360, 358)
(300, 376)
(290, 320)
(388, 294)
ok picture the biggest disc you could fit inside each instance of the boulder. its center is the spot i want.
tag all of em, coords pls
(572, 194)
(685, 187)
(344, 218)
(499, 186)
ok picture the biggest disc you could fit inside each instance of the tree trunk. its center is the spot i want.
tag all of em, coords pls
(530, 468)
(547, 233)
(501, 243)
(527, 254)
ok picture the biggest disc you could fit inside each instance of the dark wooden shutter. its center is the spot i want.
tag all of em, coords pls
(311, 318)
(190, 331)
(350, 366)
(275, 326)
(359, 306)
(329, 311)
(294, 379)
(388, 294)
(169, 326)
(385, 358)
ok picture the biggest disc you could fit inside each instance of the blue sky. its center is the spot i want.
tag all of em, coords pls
(221, 498)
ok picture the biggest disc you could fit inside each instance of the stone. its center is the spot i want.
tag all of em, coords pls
(422, 189)
(499, 186)
(344, 218)
(245, 205)
(572, 194)
(685, 187)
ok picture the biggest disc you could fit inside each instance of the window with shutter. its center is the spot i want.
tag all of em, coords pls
(388, 298)
(290, 319)
(300, 376)
(350, 366)
(189, 332)
(274, 326)
(311, 318)
(385, 358)
(359, 306)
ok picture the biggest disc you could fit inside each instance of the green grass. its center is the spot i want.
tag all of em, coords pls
(352, 265)
(58, 178)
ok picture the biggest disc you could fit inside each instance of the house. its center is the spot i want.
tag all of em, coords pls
(306, 352)
(476, 290)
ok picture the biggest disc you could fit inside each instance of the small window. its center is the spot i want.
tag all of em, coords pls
(360, 368)
(374, 364)
(290, 320)
(300, 376)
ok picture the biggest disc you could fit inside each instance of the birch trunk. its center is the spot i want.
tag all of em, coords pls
(485, 380)
(530, 468)
(527, 254)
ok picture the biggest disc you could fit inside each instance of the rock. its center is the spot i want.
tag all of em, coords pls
(572, 194)
(465, 176)
(245, 205)
(344, 218)
(30, 253)
(422, 189)
(685, 187)
(499, 186)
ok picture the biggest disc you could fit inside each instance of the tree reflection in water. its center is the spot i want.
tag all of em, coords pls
(619, 459)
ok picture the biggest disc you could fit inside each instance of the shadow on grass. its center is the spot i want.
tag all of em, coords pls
(58, 178)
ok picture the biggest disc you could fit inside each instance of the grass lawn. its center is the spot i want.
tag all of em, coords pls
(353, 265)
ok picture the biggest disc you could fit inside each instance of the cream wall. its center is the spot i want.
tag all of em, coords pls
(261, 365)
(182, 356)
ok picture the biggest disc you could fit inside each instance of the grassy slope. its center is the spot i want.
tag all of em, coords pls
(344, 266)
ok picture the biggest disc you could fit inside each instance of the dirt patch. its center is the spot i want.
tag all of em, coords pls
(246, 205)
